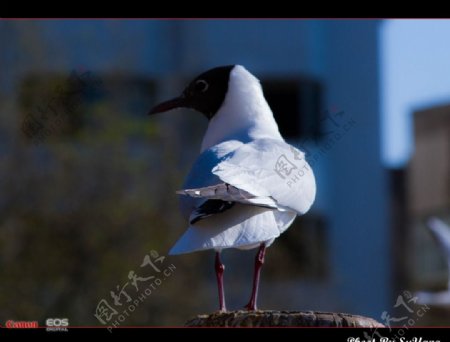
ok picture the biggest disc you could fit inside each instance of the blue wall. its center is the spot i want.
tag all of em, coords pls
(358, 199)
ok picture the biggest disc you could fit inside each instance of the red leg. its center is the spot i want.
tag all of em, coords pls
(219, 274)
(259, 261)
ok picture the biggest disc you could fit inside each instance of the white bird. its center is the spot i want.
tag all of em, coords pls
(248, 185)
(441, 233)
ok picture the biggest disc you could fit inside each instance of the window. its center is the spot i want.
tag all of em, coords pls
(296, 104)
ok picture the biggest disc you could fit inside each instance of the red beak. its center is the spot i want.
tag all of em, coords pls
(168, 105)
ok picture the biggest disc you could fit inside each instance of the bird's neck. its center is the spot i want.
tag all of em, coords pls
(244, 116)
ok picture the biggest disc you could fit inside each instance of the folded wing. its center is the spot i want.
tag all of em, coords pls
(271, 169)
(266, 172)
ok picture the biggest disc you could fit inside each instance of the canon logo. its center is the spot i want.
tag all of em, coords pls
(21, 324)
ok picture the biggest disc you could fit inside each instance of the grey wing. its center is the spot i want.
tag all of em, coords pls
(265, 172)
(201, 176)
(273, 170)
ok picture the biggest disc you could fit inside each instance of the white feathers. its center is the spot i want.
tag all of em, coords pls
(271, 181)
(441, 232)
(441, 298)
(244, 160)
(244, 115)
(241, 227)
(268, 168)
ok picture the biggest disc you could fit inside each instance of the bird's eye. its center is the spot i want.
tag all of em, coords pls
(201, 85)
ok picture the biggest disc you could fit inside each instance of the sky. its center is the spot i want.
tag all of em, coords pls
(415, 74)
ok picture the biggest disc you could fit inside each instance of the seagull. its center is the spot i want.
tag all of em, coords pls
(247, 185)
(441, 233)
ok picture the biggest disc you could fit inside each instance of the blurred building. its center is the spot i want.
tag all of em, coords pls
(430, 162)
(428, 193)
(322, 77)
(421, 191)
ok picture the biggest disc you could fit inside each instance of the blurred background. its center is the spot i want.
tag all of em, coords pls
(88, 209)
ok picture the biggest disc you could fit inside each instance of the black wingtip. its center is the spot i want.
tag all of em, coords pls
(209, 208)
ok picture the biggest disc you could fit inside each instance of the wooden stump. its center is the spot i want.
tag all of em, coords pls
(270, 318)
